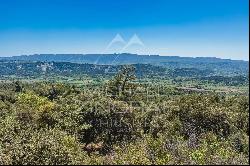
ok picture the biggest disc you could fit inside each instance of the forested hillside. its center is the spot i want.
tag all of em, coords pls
(121, 121)
(199, 74)
(122, 59)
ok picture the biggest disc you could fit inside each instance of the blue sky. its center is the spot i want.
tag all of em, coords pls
(218, 28)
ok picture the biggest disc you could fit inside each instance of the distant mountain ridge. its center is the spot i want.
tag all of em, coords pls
(171, 62)
(115, 59)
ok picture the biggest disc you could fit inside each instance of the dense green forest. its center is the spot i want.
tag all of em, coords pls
(210, 63)
(209, 74)
(71, 113)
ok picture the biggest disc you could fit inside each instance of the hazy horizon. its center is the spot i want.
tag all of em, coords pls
(247, 60)
(193, 28)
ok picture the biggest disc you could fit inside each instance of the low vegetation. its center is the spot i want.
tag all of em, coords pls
(121, 121)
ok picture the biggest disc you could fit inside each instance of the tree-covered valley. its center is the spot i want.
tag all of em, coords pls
(78, 113)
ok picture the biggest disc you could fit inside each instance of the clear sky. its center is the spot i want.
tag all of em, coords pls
(217, 28)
